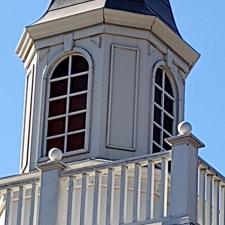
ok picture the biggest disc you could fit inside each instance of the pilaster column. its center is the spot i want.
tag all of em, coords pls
(49, 187)
(184, 175)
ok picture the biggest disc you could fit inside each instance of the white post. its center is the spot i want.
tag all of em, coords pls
(201, 201)
(184, 174)
(49, 193)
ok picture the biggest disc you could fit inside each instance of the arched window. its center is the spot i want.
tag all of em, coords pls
(67, 105)
(164, 111)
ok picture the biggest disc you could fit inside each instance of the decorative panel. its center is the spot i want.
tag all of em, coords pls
(123, 91)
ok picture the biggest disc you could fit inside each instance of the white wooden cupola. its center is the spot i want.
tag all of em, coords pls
(105, 80)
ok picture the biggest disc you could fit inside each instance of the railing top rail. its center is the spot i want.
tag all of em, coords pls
(21, 179)
(155, 158)
(204, 165)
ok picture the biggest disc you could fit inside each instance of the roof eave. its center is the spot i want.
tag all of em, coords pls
(109, 16)
(157, 27)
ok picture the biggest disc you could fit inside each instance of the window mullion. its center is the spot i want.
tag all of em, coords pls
(163, 101)
(174, 118)
(67, 104)
(46, 119)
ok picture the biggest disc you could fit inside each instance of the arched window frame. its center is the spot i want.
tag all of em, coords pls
(170, 75)
(47, 74)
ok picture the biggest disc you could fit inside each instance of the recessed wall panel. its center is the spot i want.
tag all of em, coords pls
(122, 112)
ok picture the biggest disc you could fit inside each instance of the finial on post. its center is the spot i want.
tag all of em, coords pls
(185, 136)
(55, 154)
(184, 128)
(55, 161)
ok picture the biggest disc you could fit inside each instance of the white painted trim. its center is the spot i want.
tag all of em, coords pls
(30, 75)
(13, 181)
(134, 138)
(115, 30)
(66, 23)
(22, 167)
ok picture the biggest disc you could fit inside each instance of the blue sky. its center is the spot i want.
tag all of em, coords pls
(201, 24)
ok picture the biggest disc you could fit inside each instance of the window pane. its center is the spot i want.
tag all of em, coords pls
(168, 124)
(157, 134)
(165, 145)
(79, 83)
(77, 122)
(55, 143)
(158, 96)
(79, 64)
(57, 107)
(75, 142)
(168, 86)
(58, 88)
(56, 127)
(62, 69)
(155, 149)
(78, 102)
(168, 104)
(158, 77)
(157, 115)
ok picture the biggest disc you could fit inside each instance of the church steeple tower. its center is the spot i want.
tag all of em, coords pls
(105, 80)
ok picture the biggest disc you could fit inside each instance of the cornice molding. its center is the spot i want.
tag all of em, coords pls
(161, 32)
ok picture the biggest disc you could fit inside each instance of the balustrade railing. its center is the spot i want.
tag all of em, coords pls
(132, 191)
(121, 192)
(211, 195)
(19, 199)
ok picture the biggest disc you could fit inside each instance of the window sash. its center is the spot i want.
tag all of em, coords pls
(68, 114)
(163, 111)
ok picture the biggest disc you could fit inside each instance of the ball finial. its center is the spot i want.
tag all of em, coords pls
(184, 128)
(55, 154)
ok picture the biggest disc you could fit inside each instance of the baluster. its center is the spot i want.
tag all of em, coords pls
(32, 203)
(71, 184)
(216, 202)
(150, 191)
(8, 206)
(110, 197)
(222, 214)
(97, 198)
(164, 190)
(137, 192)
(208, 214)
(201, 211)
(84, 198)
(20, 206)
(123, 195)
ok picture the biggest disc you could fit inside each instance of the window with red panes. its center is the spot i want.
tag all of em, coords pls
(67, 105)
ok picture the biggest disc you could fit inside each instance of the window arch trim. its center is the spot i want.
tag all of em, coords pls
(171, 77)
(47, 73)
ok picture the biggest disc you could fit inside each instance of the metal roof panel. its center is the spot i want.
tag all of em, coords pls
(159, 8)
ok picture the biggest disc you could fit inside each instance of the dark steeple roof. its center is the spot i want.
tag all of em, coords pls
(159, 8)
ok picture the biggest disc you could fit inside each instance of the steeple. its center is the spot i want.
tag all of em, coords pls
(105, 80)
